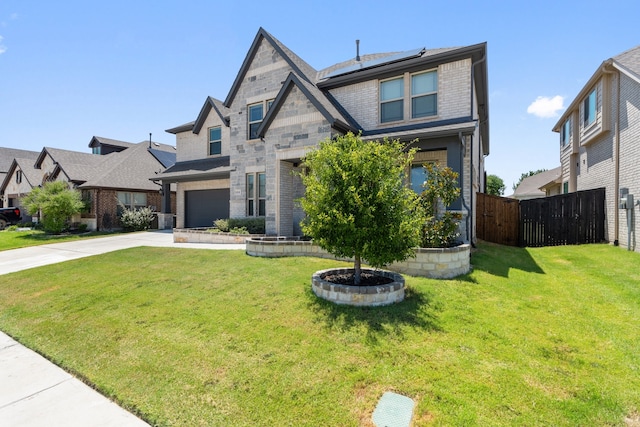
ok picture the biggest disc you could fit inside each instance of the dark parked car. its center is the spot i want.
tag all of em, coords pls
(9, 216)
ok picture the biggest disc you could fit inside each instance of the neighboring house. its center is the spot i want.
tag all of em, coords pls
(7, 156)
(120, 175)
(600, 140)
(240, 155)
(542, 184)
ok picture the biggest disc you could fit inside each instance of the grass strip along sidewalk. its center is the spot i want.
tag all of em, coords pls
(544, 336)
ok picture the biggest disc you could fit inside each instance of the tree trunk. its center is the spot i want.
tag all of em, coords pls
(357, 270)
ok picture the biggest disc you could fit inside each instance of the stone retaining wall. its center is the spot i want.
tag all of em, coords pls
(358, 295)
(203, 235)
(437, 263)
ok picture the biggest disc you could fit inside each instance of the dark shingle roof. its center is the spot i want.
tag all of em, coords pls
(128, 169)
(8, 154)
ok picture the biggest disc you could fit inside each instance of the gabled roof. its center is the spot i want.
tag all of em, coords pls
(299, 66)
(128, 169)
(215, 104)
(8, 154)
(67, 157)
(531, 186)
(32, 175)
(313, 94)
(628, 63)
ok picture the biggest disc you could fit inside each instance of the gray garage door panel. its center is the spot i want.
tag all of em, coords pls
(202, 207)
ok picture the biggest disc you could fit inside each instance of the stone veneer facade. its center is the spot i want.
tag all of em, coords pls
(309, 107)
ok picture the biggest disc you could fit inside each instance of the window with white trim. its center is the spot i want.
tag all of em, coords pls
(215, 140)
(256, 194)
(392, 100)
(424, 94)
(18, 176)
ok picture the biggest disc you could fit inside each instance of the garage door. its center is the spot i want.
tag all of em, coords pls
(202, 207)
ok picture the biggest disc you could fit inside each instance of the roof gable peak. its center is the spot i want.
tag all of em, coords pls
(282, 50)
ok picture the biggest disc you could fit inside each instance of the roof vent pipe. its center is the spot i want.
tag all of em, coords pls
(149, 139)
(357, 50)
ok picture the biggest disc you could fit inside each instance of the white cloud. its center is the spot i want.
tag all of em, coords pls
(3, 48)
(546, 107)
(14, 16)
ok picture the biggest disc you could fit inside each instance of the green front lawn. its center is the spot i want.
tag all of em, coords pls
(19, 239)
(545, 336)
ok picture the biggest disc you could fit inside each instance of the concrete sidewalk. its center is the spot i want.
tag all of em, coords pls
(33, 391)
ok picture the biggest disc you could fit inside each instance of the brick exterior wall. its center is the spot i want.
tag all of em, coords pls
(454, 96)
(589, 160)
(192, 146)
(629, 156)
(105, 206)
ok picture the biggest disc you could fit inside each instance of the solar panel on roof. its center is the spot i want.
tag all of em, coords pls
(377, 62)
(166, 158)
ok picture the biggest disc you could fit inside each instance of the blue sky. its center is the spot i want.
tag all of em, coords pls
(123, 69)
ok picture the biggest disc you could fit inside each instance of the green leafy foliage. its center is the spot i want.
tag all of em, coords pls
(253, 225)
(56, 203)
(221, 225)
(495, 185)
(137, 219)
(239, 225)
(357, 203)
(440, 227)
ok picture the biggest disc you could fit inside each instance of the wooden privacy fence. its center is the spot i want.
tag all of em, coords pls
(566, 219)
(497, 219)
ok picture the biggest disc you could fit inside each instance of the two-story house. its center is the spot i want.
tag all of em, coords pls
(600, 141)
(238, 158)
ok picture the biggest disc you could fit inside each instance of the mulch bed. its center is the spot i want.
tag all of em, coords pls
(366, 279)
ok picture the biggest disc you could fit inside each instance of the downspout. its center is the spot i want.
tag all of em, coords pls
(616, 172)
(464, 203)
(470, 209)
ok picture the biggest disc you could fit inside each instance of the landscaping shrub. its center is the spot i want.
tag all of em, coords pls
(136, 219)
(221, 225)
(252, 225)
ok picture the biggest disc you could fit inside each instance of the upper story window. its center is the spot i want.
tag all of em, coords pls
(18, 176)
(565, 133)
(424, 94)
(590, 108)
(392, 100)
(95, 150)
(215, 140)
(421, 99)
(255, 115)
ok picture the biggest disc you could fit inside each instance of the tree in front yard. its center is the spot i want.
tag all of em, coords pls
(357, 203)
(56, 202)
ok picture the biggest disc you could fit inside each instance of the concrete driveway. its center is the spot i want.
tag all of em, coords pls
(37, 256)
(33, 391)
